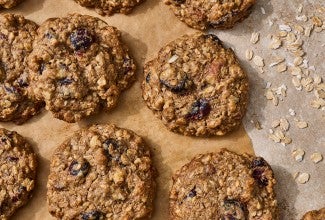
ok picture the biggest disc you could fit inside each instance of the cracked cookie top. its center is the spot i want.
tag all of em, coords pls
(224, 186)
(103, 172)
(79, 64)
(196, 86)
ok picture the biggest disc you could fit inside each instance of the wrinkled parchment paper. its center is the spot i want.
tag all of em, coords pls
(149, 27)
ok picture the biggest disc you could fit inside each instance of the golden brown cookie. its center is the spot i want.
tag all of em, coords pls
(9, 3)
(16, 39)
(203, 14)
(103, 172)
(224, 186)
(17, 172)
(78, 65)
(315, 215)
(196, 86)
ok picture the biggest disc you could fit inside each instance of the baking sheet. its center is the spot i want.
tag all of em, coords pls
(147, 29)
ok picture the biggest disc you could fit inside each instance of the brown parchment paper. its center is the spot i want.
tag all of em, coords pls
(148, 28)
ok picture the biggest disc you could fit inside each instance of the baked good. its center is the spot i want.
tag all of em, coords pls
(196, 86)
(315, 215)
(203, 14)
(9, 3)
(17, 172)
(109, 7)
(79, 64)
(16, 38)
(103, 172)
(225, 186)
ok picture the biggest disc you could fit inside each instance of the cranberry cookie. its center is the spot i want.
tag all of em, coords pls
(16, 39)
(225, 186)
(202, 14)
(196, 86)
(109, 7)
(17, 172)
(103, 172)
(79, 64)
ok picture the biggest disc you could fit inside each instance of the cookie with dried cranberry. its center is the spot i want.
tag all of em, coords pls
(109, 7)
(315, 215)
(9, 3)
(196, 86)
(78, 65)
(16, 39)
(204, 14)
(103, 172)
(226, 186)
(17, 172)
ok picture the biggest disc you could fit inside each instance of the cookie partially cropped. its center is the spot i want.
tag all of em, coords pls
(225, 186)
(79, 64)
(9, 3)
(196, 86)
(16, 39)
(103, 172)
(315, 215)
(17, 172)
(203, 14)
(109, 7)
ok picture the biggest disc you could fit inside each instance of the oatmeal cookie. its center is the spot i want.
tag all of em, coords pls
(103, 172)
(16, 39)
(202, 14)
(196, 86)
(9, 3)
(225, 186)
(315, 215)
(109, 7)
(17, 172)
(79, 64)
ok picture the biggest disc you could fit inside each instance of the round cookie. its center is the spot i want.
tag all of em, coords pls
(17, 172)
(109, 7)
(315, 215)
(9, 3)
(225, 186)
(196, 86)
(79, 64)
(16, 39)
(203, 14)
(103, 172)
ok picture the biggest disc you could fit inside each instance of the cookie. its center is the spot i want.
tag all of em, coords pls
(109, 7)
(315, 215)
(16, 38)
(196, 86)
(103, 172)
(17, 172)
(9, 3)
(203, 14)
(79, 64)
(225, 186)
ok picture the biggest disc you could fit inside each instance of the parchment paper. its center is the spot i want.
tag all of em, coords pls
(148, 28)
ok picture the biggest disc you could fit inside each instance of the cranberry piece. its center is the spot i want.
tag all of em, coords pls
(258, 162)
(213, 37)
(92, 215)
(233, 209)
(200, 108)
(81, 39)
(258, 175)
(79, 168)
(65, 82)
(181, 86)
(192, 193)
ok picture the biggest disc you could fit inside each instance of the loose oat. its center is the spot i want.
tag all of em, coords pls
(316, 157)
(302, 124)
(255, 37)
(249, 54)
(303, 178)
(259, 61)
(298, 155)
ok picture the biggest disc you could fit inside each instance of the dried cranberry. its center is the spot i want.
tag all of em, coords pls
(79, 168)
(233, 210)
(92, 215)
(22, 82)
(258, 162)
(113, 149)
(148, 78)
(179, 1)
(259, 176)
(81, 39)
(200, 108)
(12, 159)
(3, 37)
(10, 89)
(192, 193)
(180, 87)
(41, 68)
(213, 37)
(65, 81)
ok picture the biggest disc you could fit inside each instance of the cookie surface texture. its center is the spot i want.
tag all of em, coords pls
(79, 64)
(16, 39)
(9, 3)
(17, 172)
(196, 86)
(109, 7)
(224, 186)
(202, 14)
(103, 172)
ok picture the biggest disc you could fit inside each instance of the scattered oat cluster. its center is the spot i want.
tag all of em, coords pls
(290, 58)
